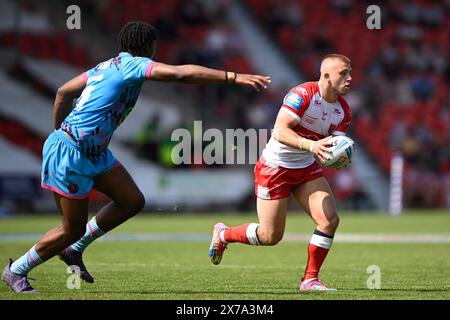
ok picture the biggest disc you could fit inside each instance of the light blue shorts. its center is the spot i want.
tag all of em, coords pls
(67, 171)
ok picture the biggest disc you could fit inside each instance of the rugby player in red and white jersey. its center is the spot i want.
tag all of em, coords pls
(311, 113)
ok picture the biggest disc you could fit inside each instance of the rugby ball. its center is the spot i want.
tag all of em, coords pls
(342, 150)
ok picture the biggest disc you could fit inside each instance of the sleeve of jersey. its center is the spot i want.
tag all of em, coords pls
(86, 75)
(342, 127)
(138, 69)
(294, 104)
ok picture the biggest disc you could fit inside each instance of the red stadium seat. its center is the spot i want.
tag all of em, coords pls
(27, 44)
(8, 39)
(79, 57)
(45, 46)
(62, 47)
(286, 37)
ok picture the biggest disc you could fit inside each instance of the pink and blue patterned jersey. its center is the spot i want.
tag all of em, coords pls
(112, 89)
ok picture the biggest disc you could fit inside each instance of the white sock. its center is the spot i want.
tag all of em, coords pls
(92, 232)
(222, 236)
(252, 235)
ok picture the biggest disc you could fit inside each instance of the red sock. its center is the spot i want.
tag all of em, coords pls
(236, 234)
(316, 257)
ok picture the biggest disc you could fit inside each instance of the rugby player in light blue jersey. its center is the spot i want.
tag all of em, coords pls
(76, 157)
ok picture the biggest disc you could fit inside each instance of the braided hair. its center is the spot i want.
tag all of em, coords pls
(138, 38)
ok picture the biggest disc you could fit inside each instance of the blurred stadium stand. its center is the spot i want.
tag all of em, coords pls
(399, 98)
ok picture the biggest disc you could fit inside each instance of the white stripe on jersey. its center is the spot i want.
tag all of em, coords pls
(292, 114)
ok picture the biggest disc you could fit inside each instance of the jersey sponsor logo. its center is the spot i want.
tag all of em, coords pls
(302, 90)
(307, 133)
(293, 100)
(310, 120)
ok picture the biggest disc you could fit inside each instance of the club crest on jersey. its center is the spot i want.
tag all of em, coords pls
(337, 111)
(293, 100)
(73, 187)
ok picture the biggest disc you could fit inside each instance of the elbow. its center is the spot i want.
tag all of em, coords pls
(180, 78)
(187, 73)
(65, 93)
(181, 74)
(61, 92)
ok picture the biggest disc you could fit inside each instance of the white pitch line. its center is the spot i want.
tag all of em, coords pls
(290, 237)
(378, 238)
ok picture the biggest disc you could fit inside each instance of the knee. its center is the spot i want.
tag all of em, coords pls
(330, 225)
(334, 222)
(270, 238)
(137, 202)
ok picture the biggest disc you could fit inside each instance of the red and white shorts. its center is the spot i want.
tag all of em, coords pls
(275, 182)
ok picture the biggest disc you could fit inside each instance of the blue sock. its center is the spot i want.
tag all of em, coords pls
(92, 232)
(27, 262)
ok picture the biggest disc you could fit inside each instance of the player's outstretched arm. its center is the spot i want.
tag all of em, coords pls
(64, 99)
(284, 133)
(196, 74)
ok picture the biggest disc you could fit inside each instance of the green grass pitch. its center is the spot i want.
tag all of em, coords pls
(174, 264)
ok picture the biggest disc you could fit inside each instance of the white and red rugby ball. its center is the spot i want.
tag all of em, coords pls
(341, 150)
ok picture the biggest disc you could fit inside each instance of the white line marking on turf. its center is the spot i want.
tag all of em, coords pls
(290, 237)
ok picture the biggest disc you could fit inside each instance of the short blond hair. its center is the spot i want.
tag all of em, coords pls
(336, 56)
(327, 61)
